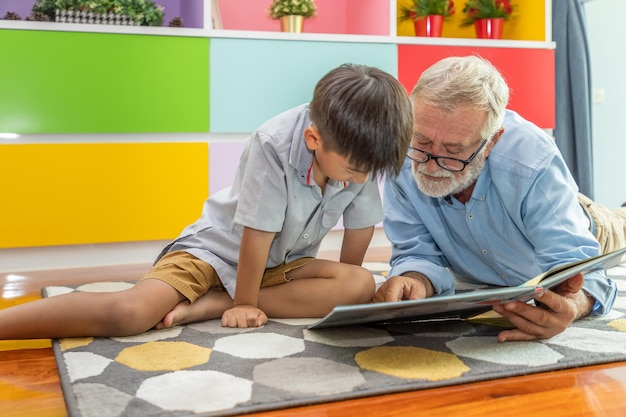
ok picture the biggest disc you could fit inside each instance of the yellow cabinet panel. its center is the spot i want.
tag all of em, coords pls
(63, 194)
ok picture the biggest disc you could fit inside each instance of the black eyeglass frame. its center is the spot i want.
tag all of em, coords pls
(429, 156)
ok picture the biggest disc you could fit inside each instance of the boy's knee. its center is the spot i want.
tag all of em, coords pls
(127, 319)
(362, 285)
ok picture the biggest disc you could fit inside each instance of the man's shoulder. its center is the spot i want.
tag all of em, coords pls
(523, 144)
(520, 130)
(405, 176)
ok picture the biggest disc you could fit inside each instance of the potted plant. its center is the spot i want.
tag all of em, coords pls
(291, 13)
(428, 15)
(487, 16)
(140, 12)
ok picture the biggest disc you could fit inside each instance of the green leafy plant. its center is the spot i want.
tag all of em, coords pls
(145, 12)
(280, 8)
(421, 8)
(482, 9)
(46, 7)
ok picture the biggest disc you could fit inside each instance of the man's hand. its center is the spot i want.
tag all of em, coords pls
(411, 286)
(244, 316)
(556, 310)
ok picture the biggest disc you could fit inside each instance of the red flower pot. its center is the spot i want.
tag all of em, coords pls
(430, 25)
(489, 28)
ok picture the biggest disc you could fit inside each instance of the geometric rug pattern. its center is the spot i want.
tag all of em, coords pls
(203, 369)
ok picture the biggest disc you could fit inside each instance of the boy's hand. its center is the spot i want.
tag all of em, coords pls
(244, 316)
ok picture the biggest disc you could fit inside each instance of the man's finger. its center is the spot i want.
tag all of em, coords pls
(572, 285)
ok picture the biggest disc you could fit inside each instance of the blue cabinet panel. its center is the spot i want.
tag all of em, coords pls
(253, 80)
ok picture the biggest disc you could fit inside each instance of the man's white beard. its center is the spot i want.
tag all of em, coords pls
(452, 185)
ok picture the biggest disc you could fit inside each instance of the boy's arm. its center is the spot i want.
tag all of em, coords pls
(253, 254)
(355, 244)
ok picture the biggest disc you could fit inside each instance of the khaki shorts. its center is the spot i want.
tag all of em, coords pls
(608, 226)
(193, 277)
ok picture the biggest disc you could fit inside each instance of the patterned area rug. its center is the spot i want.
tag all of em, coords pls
(206, 370)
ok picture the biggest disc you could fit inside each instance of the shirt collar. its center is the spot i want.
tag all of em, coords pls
(300, 157)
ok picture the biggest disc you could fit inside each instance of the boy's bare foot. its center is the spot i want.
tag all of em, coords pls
(176, 316)
(210, 306)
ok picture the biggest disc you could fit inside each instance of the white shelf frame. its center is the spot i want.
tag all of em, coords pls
(250, 34)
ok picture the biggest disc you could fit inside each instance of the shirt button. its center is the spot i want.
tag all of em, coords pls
(505, 275)
(484, 251)
(482, 197)
(470, 216)
(306, 235)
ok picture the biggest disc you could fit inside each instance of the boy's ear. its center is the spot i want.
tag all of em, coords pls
(312, 138)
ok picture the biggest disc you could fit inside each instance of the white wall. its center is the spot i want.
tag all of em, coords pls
(607, 37)
(80, 256)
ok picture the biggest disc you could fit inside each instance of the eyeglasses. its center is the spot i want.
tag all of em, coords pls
(445, 162)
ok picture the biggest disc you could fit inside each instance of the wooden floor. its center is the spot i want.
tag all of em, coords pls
(29, 383)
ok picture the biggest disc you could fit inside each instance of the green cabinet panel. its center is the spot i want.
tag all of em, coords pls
(81, 82)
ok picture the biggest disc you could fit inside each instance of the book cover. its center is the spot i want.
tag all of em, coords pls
(464, 305)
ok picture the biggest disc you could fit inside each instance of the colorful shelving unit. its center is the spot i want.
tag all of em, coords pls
(124, 131)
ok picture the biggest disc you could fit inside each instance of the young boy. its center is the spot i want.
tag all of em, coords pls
(251, 254)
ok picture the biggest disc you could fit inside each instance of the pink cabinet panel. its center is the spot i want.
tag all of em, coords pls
(356, 17)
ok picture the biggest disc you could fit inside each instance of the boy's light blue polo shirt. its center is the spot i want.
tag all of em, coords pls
(271, 193)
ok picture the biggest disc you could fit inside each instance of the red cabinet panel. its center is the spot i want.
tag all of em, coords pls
(529, 73)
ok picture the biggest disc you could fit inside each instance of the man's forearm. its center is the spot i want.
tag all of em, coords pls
(584, 304)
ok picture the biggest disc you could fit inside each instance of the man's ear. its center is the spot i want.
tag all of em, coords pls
(493, 141)
(312, 138)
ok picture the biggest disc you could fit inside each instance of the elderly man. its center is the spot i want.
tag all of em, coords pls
(486, 197)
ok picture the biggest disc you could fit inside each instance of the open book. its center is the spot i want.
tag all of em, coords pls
(464, 305)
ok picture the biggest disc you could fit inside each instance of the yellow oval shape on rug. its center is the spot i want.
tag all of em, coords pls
(411, 363)
(619, 324)
(163, 356)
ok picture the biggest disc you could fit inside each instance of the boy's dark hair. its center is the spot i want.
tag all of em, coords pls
(364, 114)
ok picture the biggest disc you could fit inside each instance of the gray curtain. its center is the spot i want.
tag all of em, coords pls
(573, 90)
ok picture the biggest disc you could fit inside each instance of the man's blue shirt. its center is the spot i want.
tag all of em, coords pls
(522, 219)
